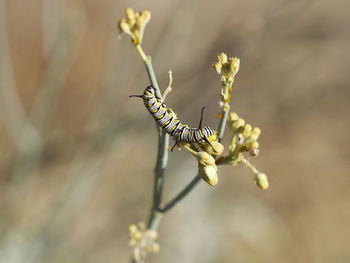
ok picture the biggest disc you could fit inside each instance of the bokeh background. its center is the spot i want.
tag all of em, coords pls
(77, 155)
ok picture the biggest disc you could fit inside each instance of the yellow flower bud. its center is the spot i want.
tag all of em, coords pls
(216, 148)
(217, 67)
(222, 57)
(253, 145)
(124, 27)
(246, 130)
(132, 229)
(208, 174)
(130, 14)
(238, 123)
(137, 235)
(145, 16)
(205, 158)
(255, 133)
(232, 116)
(234, 65)
(261, 181)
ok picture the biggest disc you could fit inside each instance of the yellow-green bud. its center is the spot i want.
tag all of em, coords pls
(205, 158)
(132, 229)
(217, 67)
(208, 174)
(254, 135)
(145, 16)
(222, 57)
(124, 27)
(216, 148)
(137, 235)
(232, 116)
(130, 14)
(253, 148)
(253, 145)
(246, 130)
(234, 63)
(261, 181)
(238, 123)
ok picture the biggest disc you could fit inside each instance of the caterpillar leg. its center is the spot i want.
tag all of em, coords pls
(172, 148)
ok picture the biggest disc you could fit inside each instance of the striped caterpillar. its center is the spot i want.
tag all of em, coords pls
(169, 122)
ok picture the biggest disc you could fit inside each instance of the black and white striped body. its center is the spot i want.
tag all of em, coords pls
(169, 122)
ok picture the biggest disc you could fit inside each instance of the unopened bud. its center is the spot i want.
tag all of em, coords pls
(137, 235)
(145, 16)
(205, 158)
(222, 57)
(132, 229)
(130, 14)
(238, 123)
(261, 181)
(214, 148)
(246, 130)
(253, 145)
(234, 63)
(208, 174)
(217, 66)
(232, 116)
(124, 27)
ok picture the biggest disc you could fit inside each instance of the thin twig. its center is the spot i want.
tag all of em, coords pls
(184, 192)
(168, 88)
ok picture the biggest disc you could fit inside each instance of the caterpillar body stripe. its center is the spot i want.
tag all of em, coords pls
(169, 122)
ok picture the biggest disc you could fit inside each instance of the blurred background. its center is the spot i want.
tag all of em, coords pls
(77, 156)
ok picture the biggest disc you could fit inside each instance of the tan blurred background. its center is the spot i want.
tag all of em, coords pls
(77, 155)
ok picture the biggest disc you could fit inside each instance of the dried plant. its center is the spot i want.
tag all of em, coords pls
(208, 154)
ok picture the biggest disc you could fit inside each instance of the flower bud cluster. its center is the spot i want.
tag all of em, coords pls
(134, 24)
(244, 136)
(142, 240)
(227, 68)
(207, 168)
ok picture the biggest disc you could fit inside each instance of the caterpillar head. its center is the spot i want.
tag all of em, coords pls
(149, 92)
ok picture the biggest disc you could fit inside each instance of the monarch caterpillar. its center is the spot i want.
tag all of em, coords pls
(169, 122)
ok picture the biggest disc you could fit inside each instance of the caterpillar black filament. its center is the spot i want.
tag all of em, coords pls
(169, 122)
